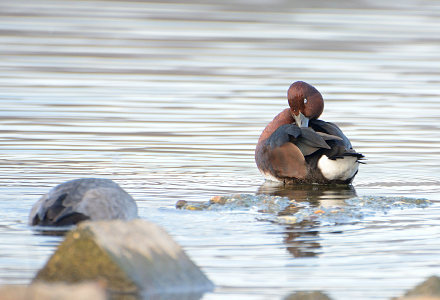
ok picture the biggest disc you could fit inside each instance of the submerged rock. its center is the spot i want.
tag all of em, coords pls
(262, 203)
(53, 291)
(286, 211)
(136, 257)
(83, 199)
(428, 289)
(316, 295)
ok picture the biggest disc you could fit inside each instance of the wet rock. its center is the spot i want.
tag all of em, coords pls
(53, 291)
(428, 289)
(316, 295)
(83, 199)
(283, 210)
(261, 203)
(136, 257)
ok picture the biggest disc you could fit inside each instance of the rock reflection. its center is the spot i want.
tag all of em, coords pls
(51, 231)
(302, 238)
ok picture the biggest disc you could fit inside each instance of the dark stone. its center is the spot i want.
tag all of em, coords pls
(83, 199)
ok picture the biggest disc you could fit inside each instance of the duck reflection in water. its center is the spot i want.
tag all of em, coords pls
(302, 238)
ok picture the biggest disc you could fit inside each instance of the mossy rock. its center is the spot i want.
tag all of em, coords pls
(130, 257)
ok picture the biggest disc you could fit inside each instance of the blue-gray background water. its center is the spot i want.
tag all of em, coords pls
(168, 99)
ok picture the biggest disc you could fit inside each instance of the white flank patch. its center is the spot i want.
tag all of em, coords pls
(338, 169)
(270, 177)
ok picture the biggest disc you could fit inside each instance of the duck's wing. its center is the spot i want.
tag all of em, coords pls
(305, 138)
(340, 147)
(283, 154)
(278, 158)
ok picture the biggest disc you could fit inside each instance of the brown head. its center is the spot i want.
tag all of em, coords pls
(305, 102)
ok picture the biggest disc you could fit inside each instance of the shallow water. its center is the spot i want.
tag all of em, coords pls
(168, 99)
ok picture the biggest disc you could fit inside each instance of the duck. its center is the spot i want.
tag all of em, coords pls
(83, 199)
(297, 147)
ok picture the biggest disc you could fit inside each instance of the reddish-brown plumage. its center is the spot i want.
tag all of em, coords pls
(284, 117)
(290, 148)
(283, 161)
(306, 99)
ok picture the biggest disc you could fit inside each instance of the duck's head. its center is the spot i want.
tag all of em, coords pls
(305, 103)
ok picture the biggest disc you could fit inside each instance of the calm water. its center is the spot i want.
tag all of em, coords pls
(168, 100)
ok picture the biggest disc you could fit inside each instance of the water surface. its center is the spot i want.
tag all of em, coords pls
(168, 99)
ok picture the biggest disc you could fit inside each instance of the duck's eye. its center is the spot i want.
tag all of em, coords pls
(305, 100)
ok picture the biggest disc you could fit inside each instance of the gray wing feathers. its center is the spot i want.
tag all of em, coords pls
(305, 138)
(321, 135)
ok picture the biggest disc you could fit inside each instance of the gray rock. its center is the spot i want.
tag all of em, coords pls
(429, 287)
(53, 291)
(419, 298)
(135, 257)
(316, 295)
(83, 199)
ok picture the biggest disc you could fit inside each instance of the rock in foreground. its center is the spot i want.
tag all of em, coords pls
(427, 290)
(316, 295)
(131, 257)
(53, 291)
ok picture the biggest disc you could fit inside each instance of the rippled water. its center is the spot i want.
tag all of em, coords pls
(168, 99)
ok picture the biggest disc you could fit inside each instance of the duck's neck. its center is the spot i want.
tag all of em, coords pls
(284, 117)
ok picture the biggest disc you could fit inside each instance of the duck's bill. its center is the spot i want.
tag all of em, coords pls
(301, 120)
